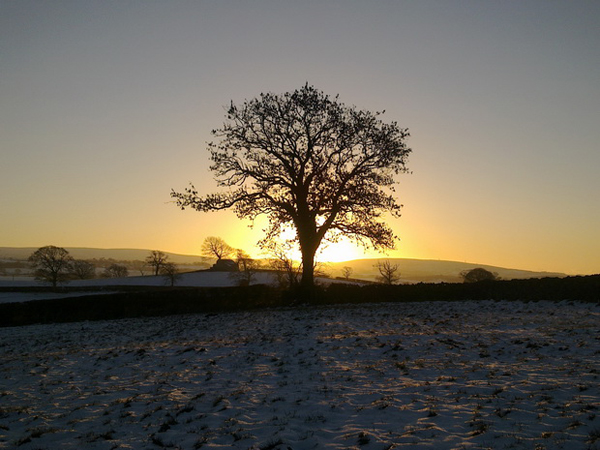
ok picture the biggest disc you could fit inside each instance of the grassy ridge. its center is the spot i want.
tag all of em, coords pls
(169, 301)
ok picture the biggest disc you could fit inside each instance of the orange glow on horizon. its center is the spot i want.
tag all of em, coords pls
(340, 252)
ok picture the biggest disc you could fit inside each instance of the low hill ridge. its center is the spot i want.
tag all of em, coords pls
(120, 254)
(428, 270)
(411, 270)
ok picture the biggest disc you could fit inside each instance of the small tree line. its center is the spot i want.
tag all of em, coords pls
(55, 265)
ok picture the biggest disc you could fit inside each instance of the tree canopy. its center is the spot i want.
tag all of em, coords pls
(307, 161)
(157, 260)
(478, 274)
(217, 247)
(83, 270)
(51, 264)
(116, 271)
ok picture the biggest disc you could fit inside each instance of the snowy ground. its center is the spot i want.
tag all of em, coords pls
(465, 375)
(189, 279)
(200, 278)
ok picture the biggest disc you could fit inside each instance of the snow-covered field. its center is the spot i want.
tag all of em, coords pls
(465, 375)
(190, 279)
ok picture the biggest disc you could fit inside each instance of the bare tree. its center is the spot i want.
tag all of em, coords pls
(388, 272)
(171, 273)
(83, 270)
(216, 247)
(115, 271)
(347, 272)
(51, 264)
(157, 260)
(247, 268)
(286, 269)
(322, 270)
(307, 161)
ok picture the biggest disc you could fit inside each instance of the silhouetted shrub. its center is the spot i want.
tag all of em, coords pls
(478, 274)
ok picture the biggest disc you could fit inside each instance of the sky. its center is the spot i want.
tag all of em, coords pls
(105, 106)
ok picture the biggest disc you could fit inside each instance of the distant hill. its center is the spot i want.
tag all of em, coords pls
(120, 254)
(432, 271)
(411, 270)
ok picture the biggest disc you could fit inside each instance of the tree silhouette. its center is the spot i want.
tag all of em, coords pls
(171, 272)
(347, 272)
(51, 264)
(286, 269)
(83, 270)
(247, 268)
(307, 161)
(478, 274)
(388, 272)
(157, 260)
(215, 246)
(116, 271)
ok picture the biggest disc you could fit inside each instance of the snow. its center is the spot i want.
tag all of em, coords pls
(441, 375)
(111, 285)
(200, 278)
(190, 279)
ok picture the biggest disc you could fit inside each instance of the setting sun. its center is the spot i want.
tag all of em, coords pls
(340, 251)
(344, 250)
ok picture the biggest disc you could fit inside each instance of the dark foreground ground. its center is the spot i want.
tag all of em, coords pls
(424, 375)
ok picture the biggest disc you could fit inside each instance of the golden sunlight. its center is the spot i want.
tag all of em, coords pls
(339, 252)
(246, 238)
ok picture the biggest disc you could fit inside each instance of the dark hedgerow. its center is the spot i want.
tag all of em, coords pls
(145, 302)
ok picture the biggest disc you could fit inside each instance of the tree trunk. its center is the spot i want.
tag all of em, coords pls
(308, 269)
(309, 243)
(307, 284)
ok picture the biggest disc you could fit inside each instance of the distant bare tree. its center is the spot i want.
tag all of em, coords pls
(83, 270)
(478, 274)
(287, 270)
(115, 271)
(51, 264)
(388, 272)
(247, 268)
(216, 247)
(347, 272)
(157, 260)
(171, 272)
(322, 270)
